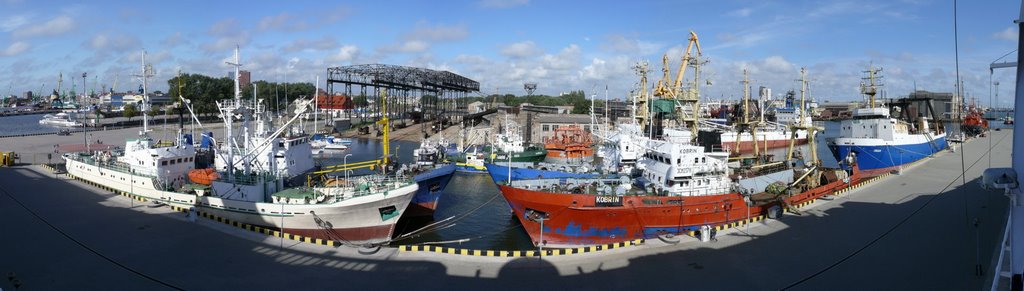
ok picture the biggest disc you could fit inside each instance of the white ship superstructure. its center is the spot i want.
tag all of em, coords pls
(360, 211)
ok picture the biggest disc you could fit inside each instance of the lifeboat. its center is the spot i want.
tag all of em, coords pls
(203, 176)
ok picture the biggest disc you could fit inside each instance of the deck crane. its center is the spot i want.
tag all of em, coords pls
(382, 163)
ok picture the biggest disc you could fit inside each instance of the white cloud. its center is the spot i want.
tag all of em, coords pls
(174, 40)
(411, 46)
(283, 21)
(605, 71)
(1010, 33)
(335, 14)
(427, 32)
(226, 43)
(744, 12)
(16, 48)
(13, 22)
(227, 35)
(744, 40)
(346, 53)
(322, 44)
(621, 44)
(113, 42)
(568, 58)
(52, 27)
(502, 3)
(520, 49)
(224, 27)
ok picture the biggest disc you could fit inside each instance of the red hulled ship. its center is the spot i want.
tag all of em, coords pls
(680, 188)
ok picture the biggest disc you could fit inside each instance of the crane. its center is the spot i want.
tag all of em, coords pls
(371, 164)
(686, 103)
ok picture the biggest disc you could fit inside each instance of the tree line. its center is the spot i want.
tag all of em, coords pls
(204, 91)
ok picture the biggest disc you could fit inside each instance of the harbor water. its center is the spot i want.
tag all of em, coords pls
(474, 213)
(24, 124)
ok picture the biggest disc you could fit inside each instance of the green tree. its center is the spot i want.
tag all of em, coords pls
(130, 111)
(360, 101)
(154, 110)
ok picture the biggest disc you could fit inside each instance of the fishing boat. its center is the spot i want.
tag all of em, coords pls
(753, 135)
(432, 173)
(471, 160)
(569, 144)
(881, 142)
(251, 189)
(680, 188)
(61, 119)
(509, 146)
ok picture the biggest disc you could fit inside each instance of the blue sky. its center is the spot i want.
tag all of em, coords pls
(562, 45)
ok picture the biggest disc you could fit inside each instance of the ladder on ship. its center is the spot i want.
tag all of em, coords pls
(931, 142)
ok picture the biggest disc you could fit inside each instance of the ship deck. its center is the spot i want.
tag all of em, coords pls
(924, 229)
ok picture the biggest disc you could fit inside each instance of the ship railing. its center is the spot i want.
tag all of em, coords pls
(247, 179)
(116, 166)
(363, 186)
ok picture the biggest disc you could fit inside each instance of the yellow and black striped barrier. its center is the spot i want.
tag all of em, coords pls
(513, 254)
(249, 227)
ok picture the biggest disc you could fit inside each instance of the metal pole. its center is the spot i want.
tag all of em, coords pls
(344, 161)
(540, 244)
(281, 247)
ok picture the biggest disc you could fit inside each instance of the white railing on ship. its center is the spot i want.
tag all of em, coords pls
(377, 184)
(116, 166)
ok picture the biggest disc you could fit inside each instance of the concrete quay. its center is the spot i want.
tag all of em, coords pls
(926, 228)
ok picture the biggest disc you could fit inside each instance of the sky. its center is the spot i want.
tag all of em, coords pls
(560, 45)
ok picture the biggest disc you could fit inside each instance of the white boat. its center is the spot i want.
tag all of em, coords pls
(251, 188)
(329, 144)
(60, 119)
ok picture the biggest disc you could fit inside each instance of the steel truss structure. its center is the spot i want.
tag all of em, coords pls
(435, 99)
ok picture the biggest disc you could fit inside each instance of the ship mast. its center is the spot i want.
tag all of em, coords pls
(871, 88)
(747, 126)
(800, 124)
(147, 71)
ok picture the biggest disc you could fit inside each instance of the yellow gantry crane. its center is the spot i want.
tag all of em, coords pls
(687, 104)
(319, 176)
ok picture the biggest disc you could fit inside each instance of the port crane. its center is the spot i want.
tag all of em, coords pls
(687, 101)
